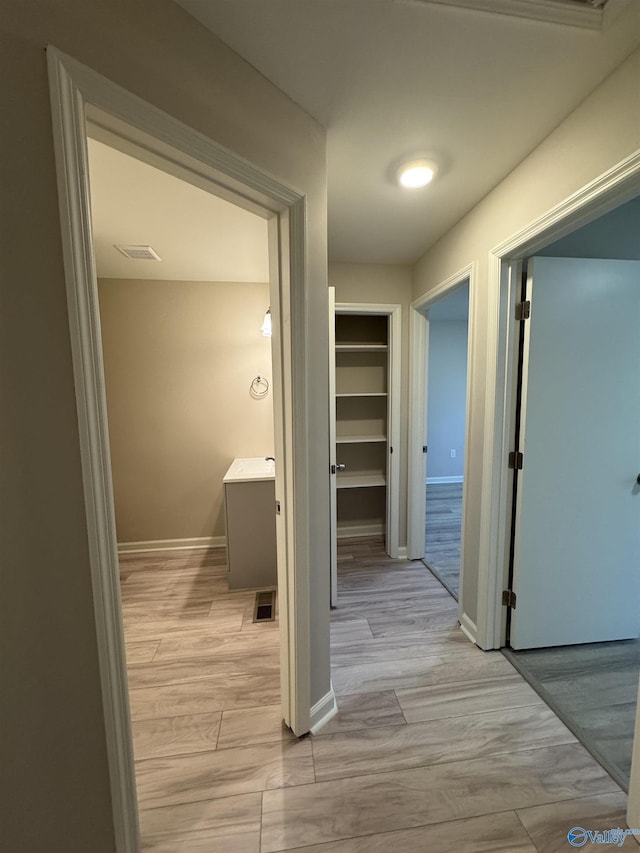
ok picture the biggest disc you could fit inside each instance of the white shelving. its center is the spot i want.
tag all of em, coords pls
(360, 481)
(361, 370)
(363, 394)
(361, 347)
(360, 439)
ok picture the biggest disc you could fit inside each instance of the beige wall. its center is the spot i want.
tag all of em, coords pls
(56, 797)
(390, 284)
(601, 132)
(179, 357)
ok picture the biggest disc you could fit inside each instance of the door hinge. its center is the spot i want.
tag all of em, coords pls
(516, 460)
(509, 599)
(523, 310)
(424, 448)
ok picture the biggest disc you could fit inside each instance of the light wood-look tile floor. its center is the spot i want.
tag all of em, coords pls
(443, 533)
(437, 746)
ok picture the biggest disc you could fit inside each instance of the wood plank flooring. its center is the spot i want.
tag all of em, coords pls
(443, 530)
(436, 746)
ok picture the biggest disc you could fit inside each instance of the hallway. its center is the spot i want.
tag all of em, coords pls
(437, 745)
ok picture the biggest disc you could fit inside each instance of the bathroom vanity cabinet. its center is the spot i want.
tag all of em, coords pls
(249, 497)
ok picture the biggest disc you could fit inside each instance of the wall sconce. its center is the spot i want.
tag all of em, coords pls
(265, 328)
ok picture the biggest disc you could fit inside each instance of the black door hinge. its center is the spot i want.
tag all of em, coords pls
(509, 599)
(523, 310)
(516, 460)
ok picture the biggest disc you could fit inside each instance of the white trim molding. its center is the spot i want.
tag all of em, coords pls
(607, 191)
(432, 481)
(198, 542)
(323, 711)
(565, 12)
(80, 98)
(469, 628)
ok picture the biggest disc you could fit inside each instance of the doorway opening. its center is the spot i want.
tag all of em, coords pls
(183, 287)
(364, 425)
(574, 631)
(441, 347)
(82, 99)
(446, 436)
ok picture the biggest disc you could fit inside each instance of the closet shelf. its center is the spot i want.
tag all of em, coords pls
(363, 394)
(360, 481)
(363, 347)
(359, 439)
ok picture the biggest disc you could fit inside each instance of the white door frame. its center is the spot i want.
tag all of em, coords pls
(614, 187)
(79, 94)
(333, 497)
(609, 190)
(418, 397)
(394, 378)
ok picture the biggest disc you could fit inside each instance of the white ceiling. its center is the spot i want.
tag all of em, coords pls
(392, 77)
(198, 236)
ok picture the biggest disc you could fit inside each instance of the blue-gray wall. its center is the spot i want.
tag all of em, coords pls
(615, 235)
(446, 397)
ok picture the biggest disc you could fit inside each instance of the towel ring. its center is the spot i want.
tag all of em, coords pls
(259, 387)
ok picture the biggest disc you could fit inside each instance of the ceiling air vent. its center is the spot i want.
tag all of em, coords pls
(138, 253)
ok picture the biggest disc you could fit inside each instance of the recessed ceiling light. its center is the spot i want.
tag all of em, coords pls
(414, 174)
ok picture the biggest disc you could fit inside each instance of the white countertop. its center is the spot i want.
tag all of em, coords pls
(251, 468)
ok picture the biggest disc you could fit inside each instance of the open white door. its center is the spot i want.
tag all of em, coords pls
(332, 449)
(577, 534)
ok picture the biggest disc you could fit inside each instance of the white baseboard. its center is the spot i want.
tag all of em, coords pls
(469, 628)
(172, 544)
(323, 711)
(353, 531)
(433, 480)
(402, 552)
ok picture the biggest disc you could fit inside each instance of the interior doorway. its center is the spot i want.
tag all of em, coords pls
(81, 97)
(364, 424)
(183, 287)
(575, 627)
(446, 435)
(441, 347)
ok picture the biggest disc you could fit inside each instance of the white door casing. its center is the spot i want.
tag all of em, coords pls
(617, 185)
(333, 569)
(78, 93)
